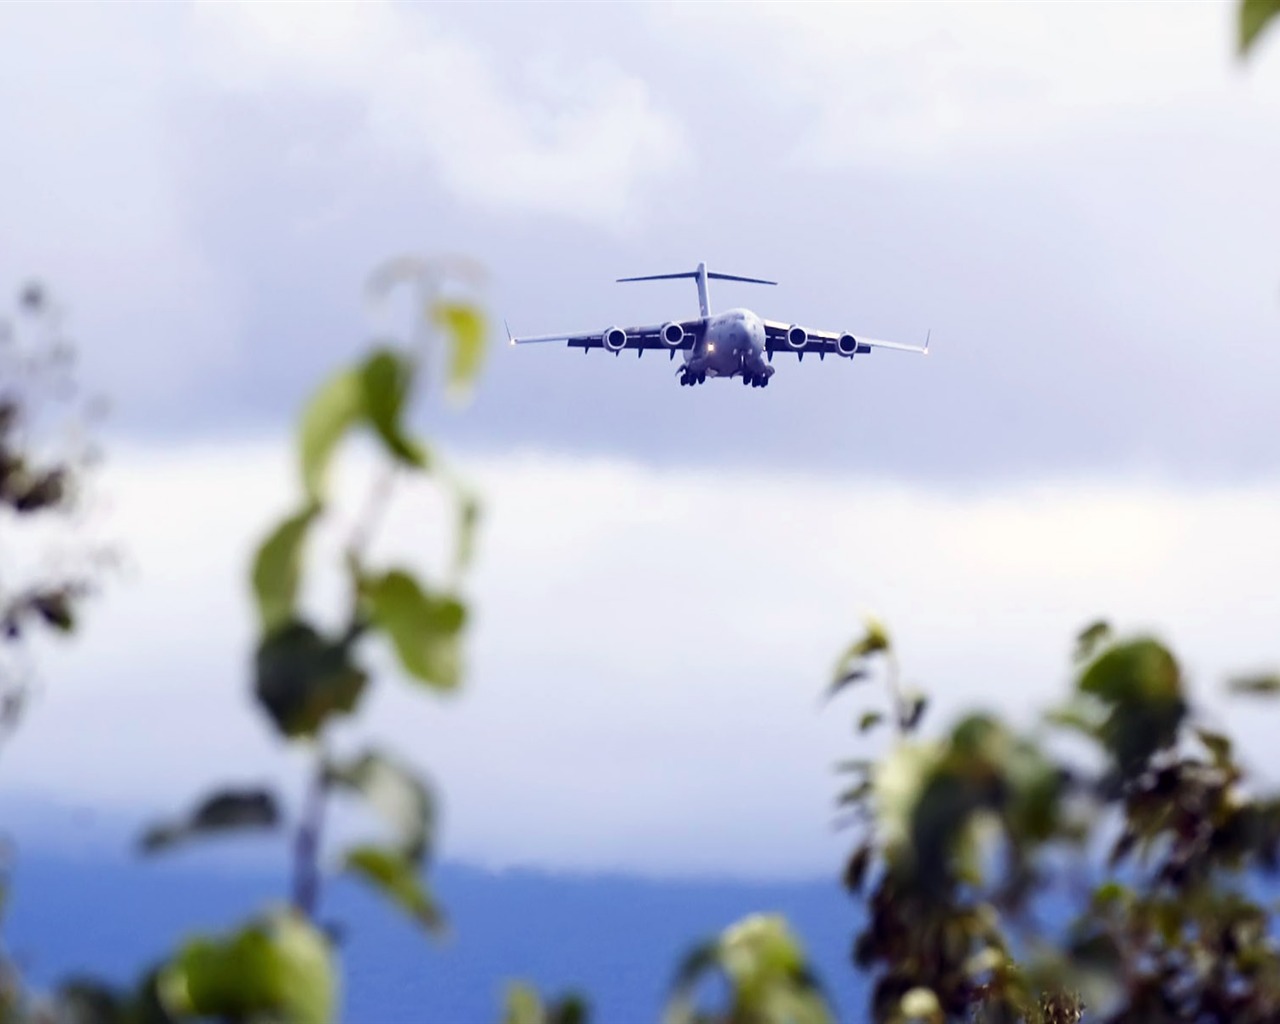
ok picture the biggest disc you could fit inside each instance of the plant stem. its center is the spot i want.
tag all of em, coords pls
(306, 846)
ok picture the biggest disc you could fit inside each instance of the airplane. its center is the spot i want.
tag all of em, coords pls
(735, 343)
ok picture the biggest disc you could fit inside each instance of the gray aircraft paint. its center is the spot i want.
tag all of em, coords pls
(735, 343)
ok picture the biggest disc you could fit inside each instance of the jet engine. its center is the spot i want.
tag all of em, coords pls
(846, 345)
(672, 335)
(797, 337)
(614, 339)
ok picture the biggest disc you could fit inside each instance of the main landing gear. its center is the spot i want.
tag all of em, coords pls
(688, 379)
(756, 380)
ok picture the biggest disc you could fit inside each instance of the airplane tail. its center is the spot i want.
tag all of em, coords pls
(701, 275)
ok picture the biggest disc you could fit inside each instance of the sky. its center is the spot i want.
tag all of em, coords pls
(1076, 200)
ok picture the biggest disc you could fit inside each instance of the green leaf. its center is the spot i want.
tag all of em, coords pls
(522, 1005)
(465, 326)
(1217, 744)
(1091, 638)
(396, 793)
(424, 628)
(277, 969)
(225, 811)
(303, 679)
(385, 378)
(873, 640)
(869, 720)
(1255, 686)
(334, 409)
(277, 567)
(396, 877)
(1254, 16)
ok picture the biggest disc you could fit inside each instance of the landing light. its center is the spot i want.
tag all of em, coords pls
(711, 347)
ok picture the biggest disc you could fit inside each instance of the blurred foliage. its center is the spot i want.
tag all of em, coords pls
(1155, 838)
(1253, 16)
(768, 979)
(967, 833)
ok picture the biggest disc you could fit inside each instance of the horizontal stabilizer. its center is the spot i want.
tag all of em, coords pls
(693, 273)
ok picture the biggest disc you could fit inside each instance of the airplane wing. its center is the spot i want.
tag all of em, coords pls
(778, 339)
(618, 339)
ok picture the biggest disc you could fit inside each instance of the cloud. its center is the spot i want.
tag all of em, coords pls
(878, 84)
(90, 202)
(649, 645)
(575, 138)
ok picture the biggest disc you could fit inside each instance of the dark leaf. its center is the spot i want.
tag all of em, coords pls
(54, 607)
(424, 628)
(396, 877)
(1254, 16)
(396, 793)
(856, 870)
(278, 969)
(277, 567)
(916, 705)
(303, 679)
(1217, 745)
(1091, 638)
(869, 720)
(226, 811)
(1259, 685)
(854, 675)
(32, 297)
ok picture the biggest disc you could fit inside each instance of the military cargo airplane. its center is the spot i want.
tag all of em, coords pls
(735, 343)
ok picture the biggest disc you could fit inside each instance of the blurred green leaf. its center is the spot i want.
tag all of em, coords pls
(1217, 744)
(1258, 685)
(523, 1005)
(465, 326)
(396, 877)
(1141, 682)
(302, 679)
(1091, 638)
(768, 977)
(277, 969)
(385, 378)
(1254, 16)
(277, 567)
(869, 720)
(397, 794)
(225, 811)
(424, 628)
(915, 705)
(334, 409)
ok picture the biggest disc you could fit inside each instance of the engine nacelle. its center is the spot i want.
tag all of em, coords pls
(672, 335)
(797, 337)
(614, 339)
(846, 345)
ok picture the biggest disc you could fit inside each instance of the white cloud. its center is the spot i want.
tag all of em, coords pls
(899, 84)
(576, 138)
(89, 199)
(649, 646)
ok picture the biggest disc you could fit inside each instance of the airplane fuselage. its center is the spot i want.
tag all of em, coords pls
(732, 344)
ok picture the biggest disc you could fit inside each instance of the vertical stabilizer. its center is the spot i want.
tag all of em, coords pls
(701, 276)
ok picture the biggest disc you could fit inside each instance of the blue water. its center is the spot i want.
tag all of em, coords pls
(617, 939)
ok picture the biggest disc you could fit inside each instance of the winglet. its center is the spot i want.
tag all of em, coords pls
(510, 337)
(927, 335)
